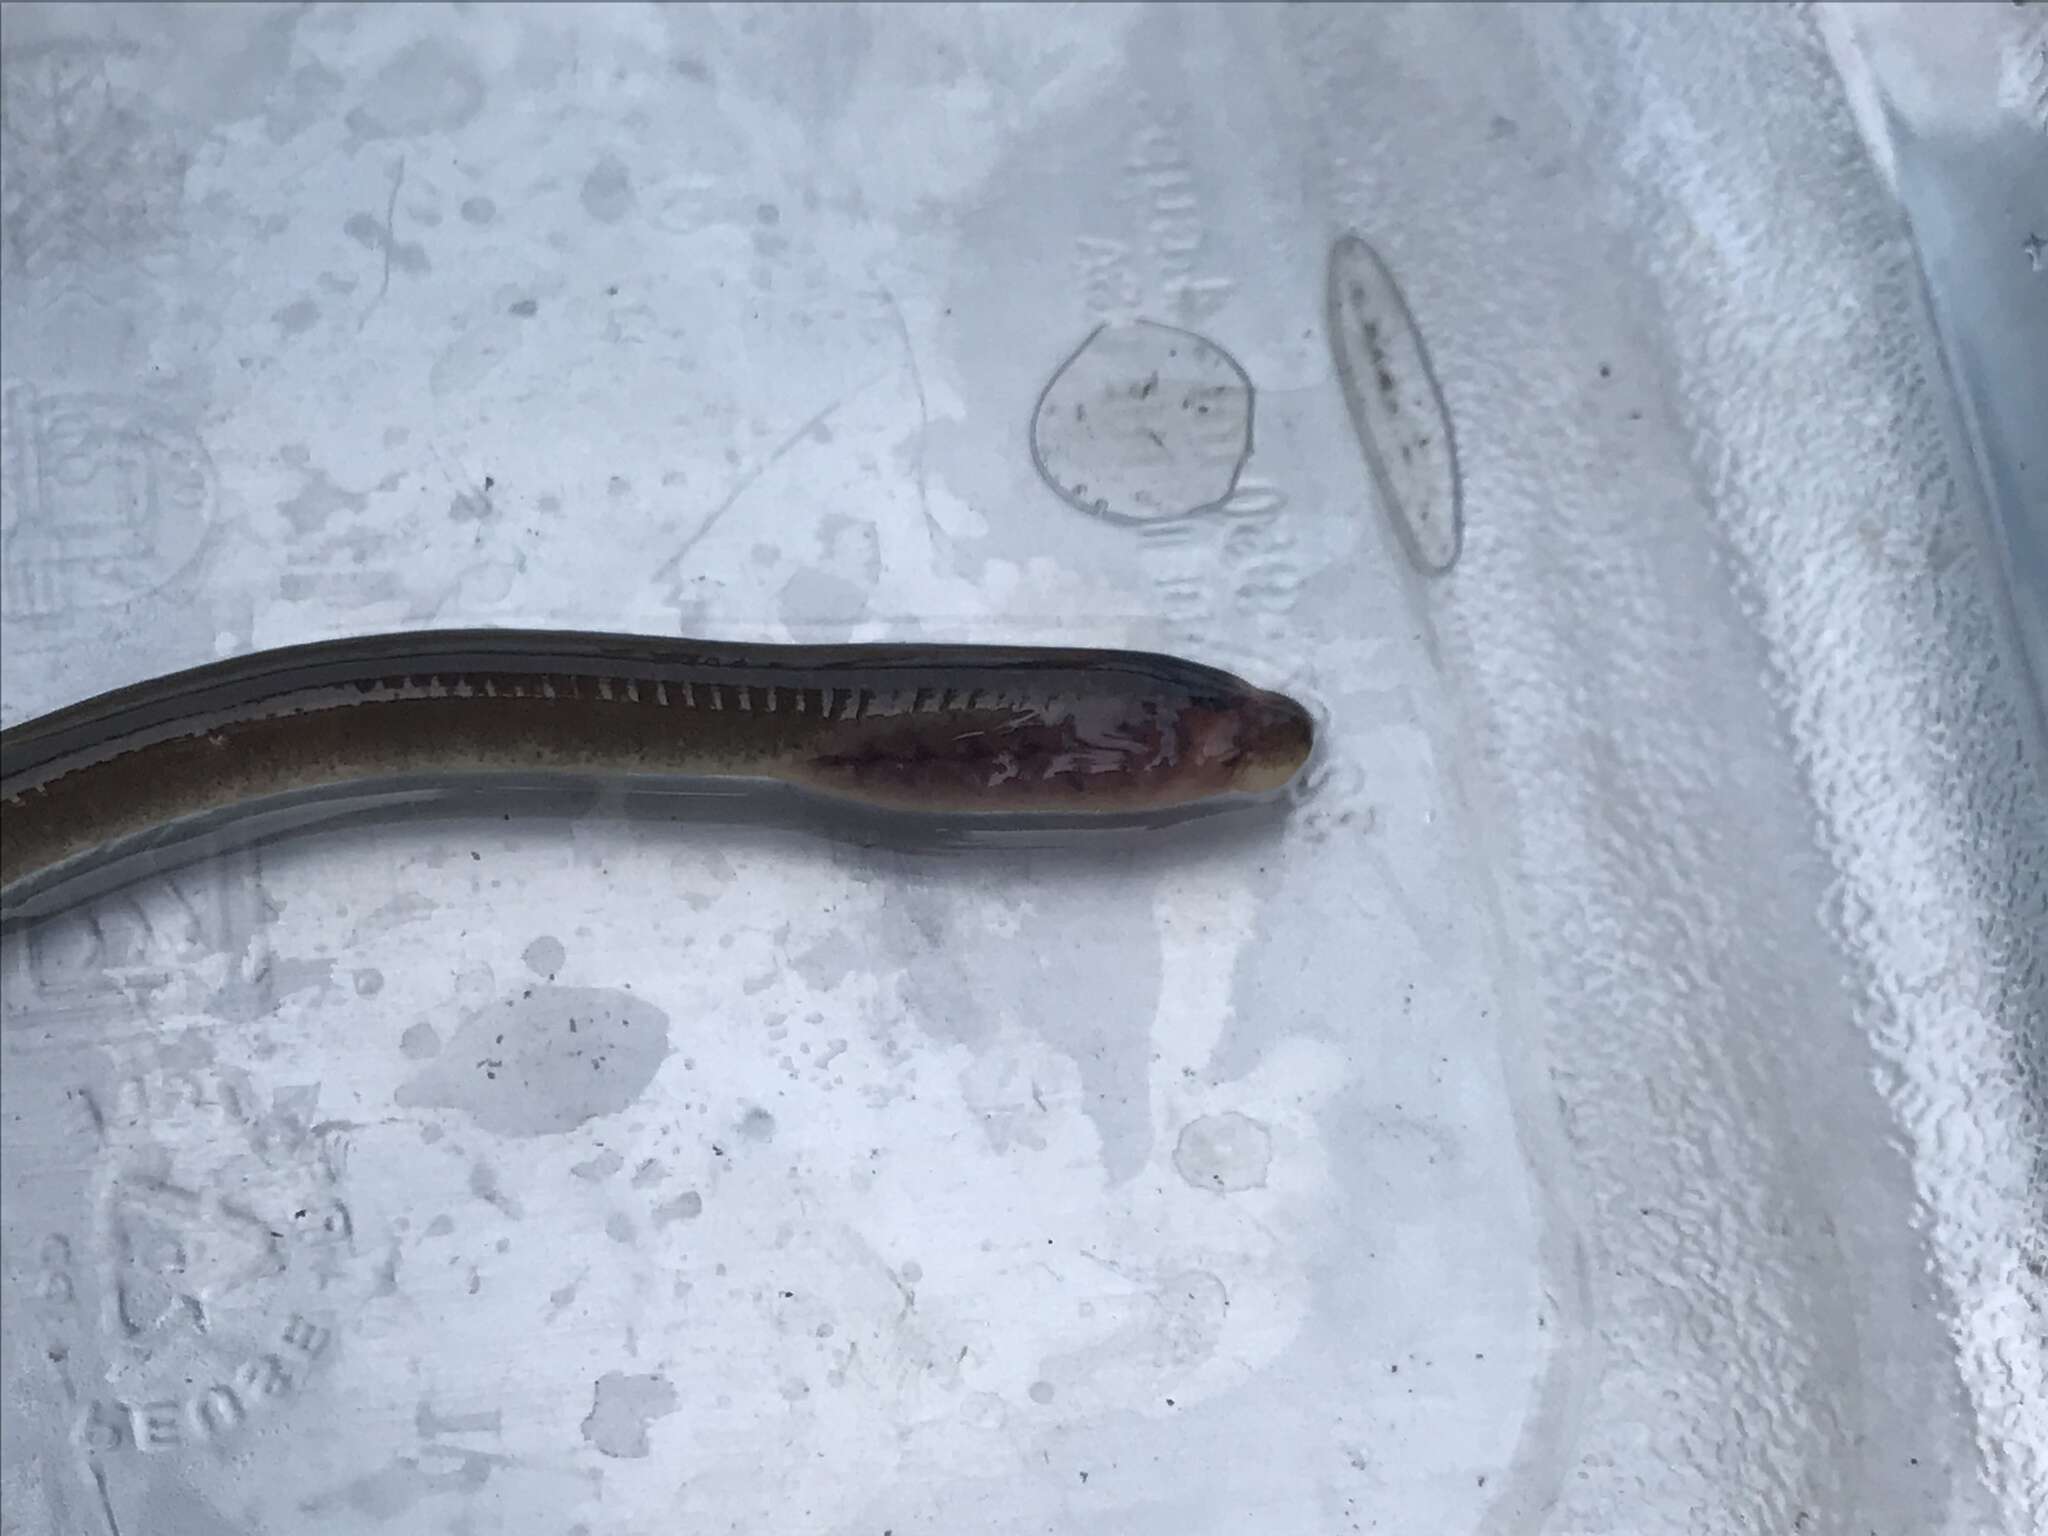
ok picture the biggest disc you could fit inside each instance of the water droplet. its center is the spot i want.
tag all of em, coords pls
(1142, 423)
(1396, 408)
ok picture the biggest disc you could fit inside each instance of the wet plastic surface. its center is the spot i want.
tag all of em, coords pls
(1604, 1106)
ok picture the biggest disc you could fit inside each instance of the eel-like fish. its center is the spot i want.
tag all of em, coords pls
(960, 730)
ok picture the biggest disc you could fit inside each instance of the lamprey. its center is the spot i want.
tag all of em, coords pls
(954, 729)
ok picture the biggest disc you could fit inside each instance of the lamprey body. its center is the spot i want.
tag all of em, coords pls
(959, 730)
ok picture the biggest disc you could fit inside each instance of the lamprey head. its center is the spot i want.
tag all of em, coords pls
(1252, 745)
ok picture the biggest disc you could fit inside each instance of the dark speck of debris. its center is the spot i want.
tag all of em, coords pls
(489, 482)
(526, 307)
(1606, 372)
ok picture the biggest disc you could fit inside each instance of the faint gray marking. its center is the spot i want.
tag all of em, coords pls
(546, 1061)
(608, 191)
(247, 996)
(304, 97)
(471, 502)
(829, 961)
(390, 227)
(479, 210)
(406, 907)
(106, 1497)
(924, 415)
(431, 1425)
(317, 499)
(544, 956)
(90, 182)
(1226, 1153)
(470, 358)
(975, 969)
(1144, 422)
(426, 87)
(1396, 406)
(389, 240)
(421, 1042)
(58, 92)
(1009, 1104)
(297, 317)
(602, 1166)
(687, 1206)
(757, 1124)
(563, 1297)
(823, 603)
(622, 1408)
(102, 499)
(1167, 1329)
(2036, 249)
(469, 507)
(746, 481)
(386, 1494)
(2023, 74)
(483, 1183)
